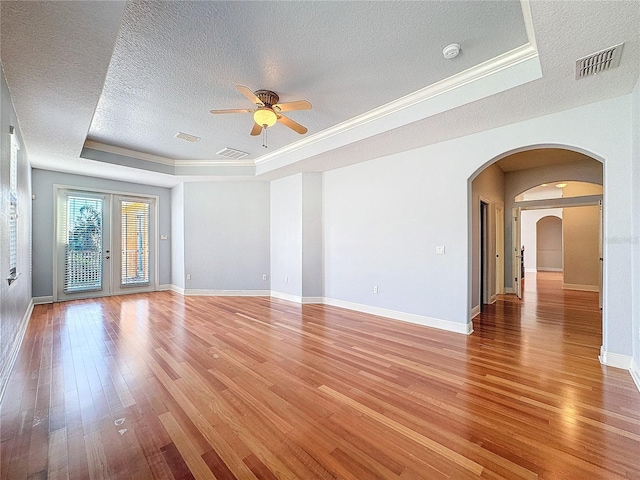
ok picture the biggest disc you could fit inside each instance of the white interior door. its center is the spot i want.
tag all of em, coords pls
(134, 228)
(517, 253)
(83, 266)
(499, 250)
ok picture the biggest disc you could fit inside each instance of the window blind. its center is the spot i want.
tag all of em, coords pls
(135, 243)
(82, 226)
(13, 205)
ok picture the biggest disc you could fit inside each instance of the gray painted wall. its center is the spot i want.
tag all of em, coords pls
(489, 186)
(296, 235)
(177, 236)
(286, 235)
(635, 206)
(312, 274)
(43, 218)
(226, 235)
(14, 298)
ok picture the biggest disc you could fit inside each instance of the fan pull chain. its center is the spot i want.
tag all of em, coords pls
(264, 136)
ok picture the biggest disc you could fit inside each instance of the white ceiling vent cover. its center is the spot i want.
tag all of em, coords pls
(232, 153)
(599, 61)
(187, 137)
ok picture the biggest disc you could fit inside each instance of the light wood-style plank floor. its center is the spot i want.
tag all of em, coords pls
(162, 386)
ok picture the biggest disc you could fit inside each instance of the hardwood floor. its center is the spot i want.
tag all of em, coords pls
(163, 386)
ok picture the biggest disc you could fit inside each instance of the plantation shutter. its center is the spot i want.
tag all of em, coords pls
(135, 243)
(82, 238)
(13, 206)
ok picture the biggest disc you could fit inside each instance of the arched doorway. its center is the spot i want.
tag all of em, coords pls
(498, 183)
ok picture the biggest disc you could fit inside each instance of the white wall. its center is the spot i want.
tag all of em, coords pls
(43, 219)
(383, 218)
(528, 221)
(635, 207)
(177, 236)
(226, 237)
(286, 236)
(296, 237)
(15, 298)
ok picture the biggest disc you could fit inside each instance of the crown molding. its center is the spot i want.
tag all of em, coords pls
(497, 64)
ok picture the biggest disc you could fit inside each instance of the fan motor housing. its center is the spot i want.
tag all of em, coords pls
(267, 97)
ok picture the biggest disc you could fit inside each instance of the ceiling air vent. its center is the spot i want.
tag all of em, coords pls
(187, 137)
(232, 153)
(598, 62)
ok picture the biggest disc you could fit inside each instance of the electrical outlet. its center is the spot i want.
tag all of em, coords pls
(188, 276)
(375, 289)
(163, 237)
(264, 277)
(440, 250)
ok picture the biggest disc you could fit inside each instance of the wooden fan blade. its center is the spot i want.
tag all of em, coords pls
(255, 131)
(289, 106)
(292, 125)
(233, 110)
(247, 92)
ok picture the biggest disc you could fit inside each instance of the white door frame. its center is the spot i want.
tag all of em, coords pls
(153, 237)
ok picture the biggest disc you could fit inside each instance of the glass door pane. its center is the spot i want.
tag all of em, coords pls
(135, 243)
(134, 232)
(82, 267)
(83, 259)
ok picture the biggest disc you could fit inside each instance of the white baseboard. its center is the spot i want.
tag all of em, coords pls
(42, 300)
(466, 328)
(493, 299)
(164, 287)
(615, 360)
(582, 288)
(177, 289)
(635, 373)
(475, 311)
(286, 296)
(15, 348)
(312, 300)
(195, 292)
(548, 269)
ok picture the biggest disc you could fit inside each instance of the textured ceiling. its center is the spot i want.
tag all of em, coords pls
(131, 75)
(175, 61)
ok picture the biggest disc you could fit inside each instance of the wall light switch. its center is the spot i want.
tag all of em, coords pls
(440, 250)
(264, 277)
(286, 279)
(163, 237)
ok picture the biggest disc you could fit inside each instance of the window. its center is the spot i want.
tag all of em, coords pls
(13, 207)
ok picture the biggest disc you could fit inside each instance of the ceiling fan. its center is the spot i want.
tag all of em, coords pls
(268, 110)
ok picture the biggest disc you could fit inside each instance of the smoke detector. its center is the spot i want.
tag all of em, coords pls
(451, 51)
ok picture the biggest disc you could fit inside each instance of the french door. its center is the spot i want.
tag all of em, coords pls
(105, 244)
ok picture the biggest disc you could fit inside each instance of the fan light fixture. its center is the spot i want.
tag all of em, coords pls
(265, 117)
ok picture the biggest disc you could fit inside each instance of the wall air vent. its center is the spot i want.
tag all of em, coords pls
(232, 153)
(598, 62)
(187, 137)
